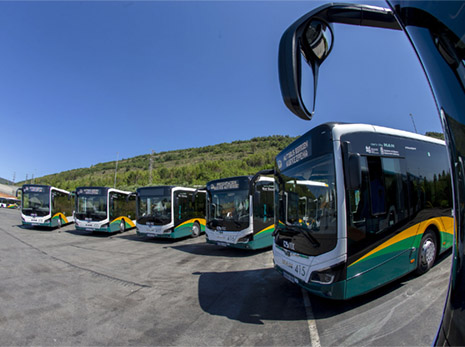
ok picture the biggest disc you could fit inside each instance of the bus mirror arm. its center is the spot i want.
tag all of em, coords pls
(311, 37)
(257, 175)
(196, 192)
(128, 197)
(354, 179)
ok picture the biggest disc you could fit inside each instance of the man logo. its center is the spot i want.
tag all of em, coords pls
(289, 245)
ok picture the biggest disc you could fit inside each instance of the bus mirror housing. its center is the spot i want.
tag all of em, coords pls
(354, 180)
(19, 190)
(129, 196)
(257, 176)
(310, 39)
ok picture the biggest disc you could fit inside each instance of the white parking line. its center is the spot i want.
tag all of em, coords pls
(313, 330)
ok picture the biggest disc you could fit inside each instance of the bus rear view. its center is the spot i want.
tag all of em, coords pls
(360, 206)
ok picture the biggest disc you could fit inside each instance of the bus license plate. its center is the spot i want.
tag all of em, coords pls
(297, 270)
(224, 244)
(150, 235)
(290, 277)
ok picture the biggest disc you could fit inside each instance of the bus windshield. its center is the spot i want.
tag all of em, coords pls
(307, 206)
(155, 209)
(36, 202)
(92, 207)
(229, 210)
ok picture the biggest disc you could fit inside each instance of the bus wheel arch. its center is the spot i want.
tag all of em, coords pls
(195, 232)
(427, 250)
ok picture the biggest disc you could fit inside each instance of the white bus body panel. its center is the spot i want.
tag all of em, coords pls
(154, 229)
(300, 266)
(231, 237)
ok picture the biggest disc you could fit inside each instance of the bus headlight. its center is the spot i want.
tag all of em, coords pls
(322, 277)
(245, 239)
(329, 275)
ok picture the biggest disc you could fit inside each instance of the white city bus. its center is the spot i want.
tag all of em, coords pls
(104, 209)
(241, 211)
(46, 206)
(6, 202)
(170, 211)
(359, 206)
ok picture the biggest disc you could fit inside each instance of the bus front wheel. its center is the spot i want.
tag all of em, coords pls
(122, 226)
(426, 252)
(195, 232)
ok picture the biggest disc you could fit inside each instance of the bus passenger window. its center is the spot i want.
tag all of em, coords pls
(377, 189)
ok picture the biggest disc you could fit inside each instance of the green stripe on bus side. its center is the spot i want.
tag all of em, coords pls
(447, 240)
(117, 221)
(269, 229)
(189, 223)
(381, 256)
(400, 243)
(61, 216)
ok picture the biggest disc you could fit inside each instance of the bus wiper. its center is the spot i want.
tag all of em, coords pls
(306, 232)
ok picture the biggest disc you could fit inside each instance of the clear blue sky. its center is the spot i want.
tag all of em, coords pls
(81, 81)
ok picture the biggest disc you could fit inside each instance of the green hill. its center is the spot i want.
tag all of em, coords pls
(193, 166)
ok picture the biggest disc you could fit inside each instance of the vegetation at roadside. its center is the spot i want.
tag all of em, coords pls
(187, 167)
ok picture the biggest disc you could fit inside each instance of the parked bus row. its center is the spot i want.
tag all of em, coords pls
(9, 202)
(350, 207)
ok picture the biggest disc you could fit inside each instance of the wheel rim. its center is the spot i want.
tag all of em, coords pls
(428, 252)
(121, 226)
(195, 230)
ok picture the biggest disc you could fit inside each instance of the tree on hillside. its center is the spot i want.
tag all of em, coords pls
(435, 135)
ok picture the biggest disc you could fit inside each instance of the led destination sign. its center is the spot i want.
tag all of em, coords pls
(224, 185)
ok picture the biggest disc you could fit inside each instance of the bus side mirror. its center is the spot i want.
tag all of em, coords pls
(19, 190)
(130, 197)
(354, 180)
(310, 39)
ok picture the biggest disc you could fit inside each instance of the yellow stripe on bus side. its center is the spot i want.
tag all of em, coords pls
(126, 219)
(59, 214)
(202, 221)
(444, 224)
(266, 229)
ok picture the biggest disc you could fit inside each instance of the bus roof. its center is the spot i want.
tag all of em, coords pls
(108, 189)
(46, 186)
(340, 129)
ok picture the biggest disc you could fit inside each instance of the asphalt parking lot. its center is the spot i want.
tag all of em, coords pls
(67, 287)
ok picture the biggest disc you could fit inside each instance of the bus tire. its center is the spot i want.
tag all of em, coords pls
(195, 232)
(426, 252)
(122, 226)
(60, 223)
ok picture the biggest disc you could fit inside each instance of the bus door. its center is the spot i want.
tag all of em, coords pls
(263, 208)
(379, 238)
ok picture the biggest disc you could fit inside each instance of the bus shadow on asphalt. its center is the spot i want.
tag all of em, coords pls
(218, 251)
(36, 228)
(156, 240)
(251, 296)
(325, 308)
(97, 234)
